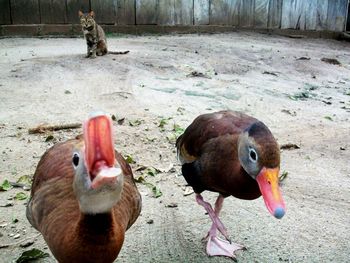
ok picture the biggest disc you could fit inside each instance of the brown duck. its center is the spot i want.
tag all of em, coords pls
(83, 197)
(234, 154)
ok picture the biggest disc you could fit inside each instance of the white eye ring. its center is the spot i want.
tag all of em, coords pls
(253, 156)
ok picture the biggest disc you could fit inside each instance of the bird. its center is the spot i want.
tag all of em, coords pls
(232, 154)
(83, 195)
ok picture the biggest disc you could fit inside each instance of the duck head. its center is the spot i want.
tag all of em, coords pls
(259, 155)
(98, 179)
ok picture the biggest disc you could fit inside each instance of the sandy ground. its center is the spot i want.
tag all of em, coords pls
(303, 101)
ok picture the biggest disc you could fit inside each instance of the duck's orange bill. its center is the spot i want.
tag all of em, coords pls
(268, 184)
(99, 150)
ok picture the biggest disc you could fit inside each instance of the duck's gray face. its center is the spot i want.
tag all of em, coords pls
(258, 153)
(98, 179)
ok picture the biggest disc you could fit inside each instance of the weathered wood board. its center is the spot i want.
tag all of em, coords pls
(261, 13)
(146, 12)
(125, 12)
(5, 12)
(183, 12)
(246, 13)
(105, 11)
(275, 14)
(335, 16)
(53, 12)
(73, 6)
(225, 12)
(25, 11)
(201, 12)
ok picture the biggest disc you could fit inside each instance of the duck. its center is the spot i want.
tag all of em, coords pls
(83, 196)
(232, 154)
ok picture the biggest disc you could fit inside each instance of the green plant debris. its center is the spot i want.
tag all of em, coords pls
(21, 196)
(155, 190)
(25, 179)
(31, 255)
(180, 110)
(134, 123)
(5, 186)
(328, 118)
(129, 159)
(49, 138)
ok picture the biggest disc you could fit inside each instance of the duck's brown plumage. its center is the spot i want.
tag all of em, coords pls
(54, 210)
(209, 146)
(233, 154)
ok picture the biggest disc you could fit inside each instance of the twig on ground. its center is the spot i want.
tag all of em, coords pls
(45, 128)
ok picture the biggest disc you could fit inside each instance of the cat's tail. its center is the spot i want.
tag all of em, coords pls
(118, 52)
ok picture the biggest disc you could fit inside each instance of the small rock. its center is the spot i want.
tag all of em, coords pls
(16, 236)
(342, 148)
(150, 221)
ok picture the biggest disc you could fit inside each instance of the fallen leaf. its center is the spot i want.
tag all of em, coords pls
(332, 61)
(5, 186)
(49, 138)
(303, 58)
(283, 176)
(129, 159)
(270, 73)
(171, 205)
(188, 191)
(156, 192)
(135, 123)
(25, 179)
(150, 221)
(328, 118)
(289, 146)
(21, 196)
(30, 255)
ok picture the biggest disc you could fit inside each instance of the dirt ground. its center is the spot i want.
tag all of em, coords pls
(157, 89)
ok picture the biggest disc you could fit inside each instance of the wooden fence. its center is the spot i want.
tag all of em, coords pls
(328, 15)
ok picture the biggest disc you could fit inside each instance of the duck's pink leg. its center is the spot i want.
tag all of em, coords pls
(217, 246)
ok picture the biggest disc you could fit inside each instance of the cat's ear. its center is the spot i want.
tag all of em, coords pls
(80, 13)
(92, 14)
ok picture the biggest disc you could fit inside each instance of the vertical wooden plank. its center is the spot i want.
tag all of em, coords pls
(224, 12)
(73, 6)
(261, 13)
(293, 14)
(53, 12)
(336, 15)
(348, 23)
(275, 13)
(126, 12)
(146, 12)
(166, 12)
(5, 16)
(310, 13)
(246, 18)
(201, 12)
(183, 12)
(105, 11)
(25, 11)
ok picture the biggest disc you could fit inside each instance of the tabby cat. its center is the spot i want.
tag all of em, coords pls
(95, 36)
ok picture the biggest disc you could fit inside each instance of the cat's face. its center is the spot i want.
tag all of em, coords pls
(87, 21)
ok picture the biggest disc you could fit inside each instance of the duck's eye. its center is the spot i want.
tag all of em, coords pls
(253, 156)
(75, 159)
